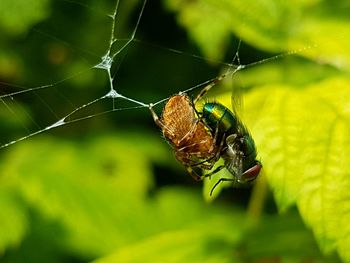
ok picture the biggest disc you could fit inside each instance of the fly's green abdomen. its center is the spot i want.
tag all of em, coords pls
(217, 116)
(249, 151)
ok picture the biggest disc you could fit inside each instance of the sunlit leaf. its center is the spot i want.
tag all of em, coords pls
(302, 134)
(191, 245)
(96, 191)
(13, 220)
(320, 29)
(225, 239)
(303, 139)
(196, 232)
(91, 201)
(96, 194)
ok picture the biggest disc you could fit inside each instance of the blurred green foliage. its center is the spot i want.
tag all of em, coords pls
(109, 190)
(89, 199)
(17, 17)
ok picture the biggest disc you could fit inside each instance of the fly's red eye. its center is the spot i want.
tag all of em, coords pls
(252, 172)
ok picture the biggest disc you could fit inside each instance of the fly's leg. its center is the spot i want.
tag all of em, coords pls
(220, 181)
(217, 169)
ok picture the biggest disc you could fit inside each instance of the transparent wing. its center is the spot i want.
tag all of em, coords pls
(237, 91)
(237, 96)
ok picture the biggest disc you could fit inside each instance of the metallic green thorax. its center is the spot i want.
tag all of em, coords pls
(217, 116)
(221, 120)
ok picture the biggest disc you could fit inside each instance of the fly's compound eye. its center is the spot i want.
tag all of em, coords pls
(252, 173)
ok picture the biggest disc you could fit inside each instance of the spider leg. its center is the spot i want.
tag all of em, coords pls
(208, 87)
(221, 146)
(206, 163)
(218, 152)
(158, 121)
(222, 142)
(194, 175)
(155, 116)
(215, 157)
(193, 104)
(191, 163)
(219, 181)
(212, 160)
(186, 161)
(190, 131)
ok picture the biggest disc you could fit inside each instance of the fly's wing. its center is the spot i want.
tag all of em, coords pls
(237, 96)
(234, 158)
(237, 91)
(237, 103)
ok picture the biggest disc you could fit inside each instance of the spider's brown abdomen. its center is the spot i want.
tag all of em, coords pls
(201, 141)
(178, 118)
(184, 130)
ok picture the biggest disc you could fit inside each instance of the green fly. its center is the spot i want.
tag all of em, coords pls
(238, 148)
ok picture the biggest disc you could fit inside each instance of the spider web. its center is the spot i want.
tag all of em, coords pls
(105, 67)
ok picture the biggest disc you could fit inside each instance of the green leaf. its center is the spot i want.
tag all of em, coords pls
(96, 191)
(94, 196)
(283, 237)
(13, 220)
(190, 245)
(194, 232)
(319, 30)
(303, 139)
(299, 119)
(16, 17)
(224, 238)
(90, 199)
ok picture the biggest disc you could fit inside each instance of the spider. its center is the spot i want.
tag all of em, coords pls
(193, 143)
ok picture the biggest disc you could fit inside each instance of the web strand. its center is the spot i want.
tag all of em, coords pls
(106, 64)
(27, 90)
